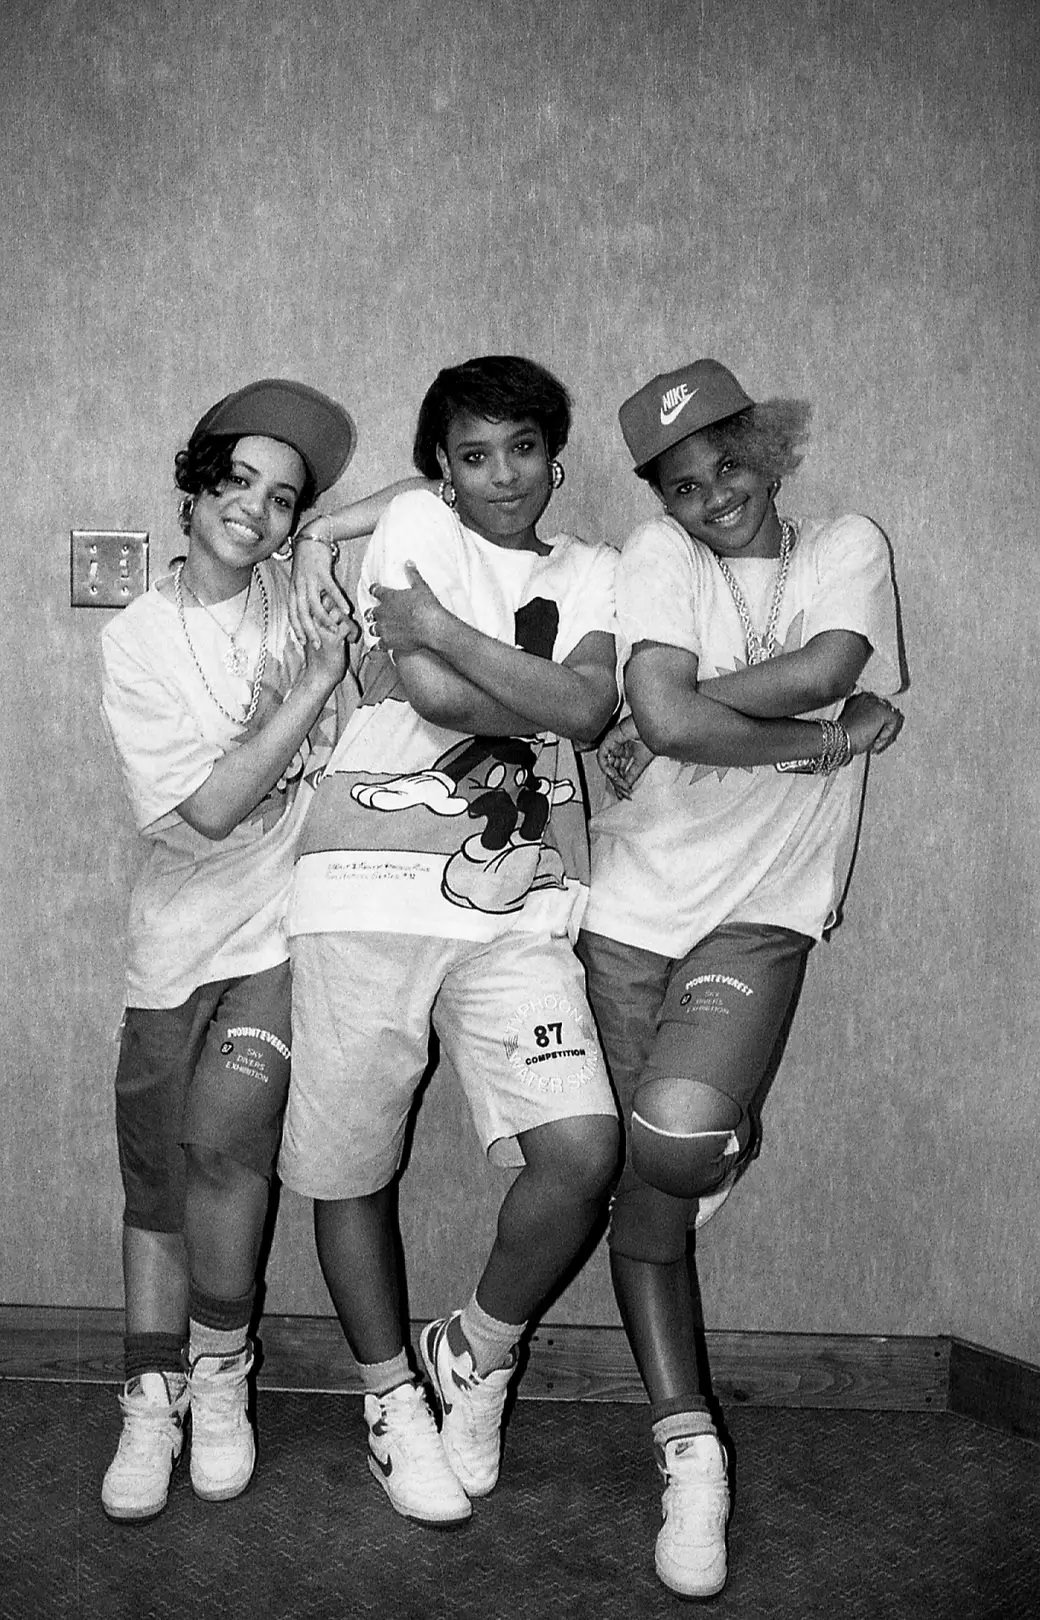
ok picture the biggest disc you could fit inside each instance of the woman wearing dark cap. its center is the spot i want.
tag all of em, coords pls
(219, 721)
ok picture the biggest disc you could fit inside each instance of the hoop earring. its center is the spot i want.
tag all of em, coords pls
(448, 493)
(284, 553)
(556, 474)
(184, 512)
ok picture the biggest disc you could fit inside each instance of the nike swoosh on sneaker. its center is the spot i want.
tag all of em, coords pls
(384, 1464)
(435, 1348)
(460, 1383)
(667, 417)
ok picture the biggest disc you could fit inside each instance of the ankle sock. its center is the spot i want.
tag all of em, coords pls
(216, 1311)
(151, 1352)
(680, 1425)
(208, 1341)
(491, 1343)
(216, 1326)
(380, 1377)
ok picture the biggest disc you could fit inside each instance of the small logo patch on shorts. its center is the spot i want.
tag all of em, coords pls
(249, 1059)
(245, 1033)
(551, 1045)
(709, 999)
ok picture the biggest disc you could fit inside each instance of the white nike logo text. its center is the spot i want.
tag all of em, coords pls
(674, 401)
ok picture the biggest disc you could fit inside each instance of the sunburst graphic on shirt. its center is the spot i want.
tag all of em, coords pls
(791, 643)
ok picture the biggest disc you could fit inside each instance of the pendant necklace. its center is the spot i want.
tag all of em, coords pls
(235, 660)
(759, 648)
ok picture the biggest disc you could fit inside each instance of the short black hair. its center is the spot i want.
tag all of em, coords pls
(499, 387)
(205, 465)
(766, 437)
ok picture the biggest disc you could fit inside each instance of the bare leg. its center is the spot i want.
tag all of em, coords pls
(359, 1251)
(155, 1281)
(660, 1312)
(225, 1208)
(548, 1214)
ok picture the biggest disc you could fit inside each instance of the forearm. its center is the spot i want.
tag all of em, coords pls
(574, 702)
(244, 776)
(359, 518)
(447, 698)
(822, 672)
(702, 731)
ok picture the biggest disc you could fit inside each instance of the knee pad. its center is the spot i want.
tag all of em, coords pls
(684, 1135)
(646, 1224)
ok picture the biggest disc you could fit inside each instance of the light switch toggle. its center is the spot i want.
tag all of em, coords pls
(107, 567)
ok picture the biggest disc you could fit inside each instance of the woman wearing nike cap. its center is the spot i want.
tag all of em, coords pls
(219, 721)
(738, 779)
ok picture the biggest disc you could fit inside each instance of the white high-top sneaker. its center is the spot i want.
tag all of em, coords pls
(407, 1457)
(223, 1451)
(690, 1556)
(137, 1481)
(471, 1408)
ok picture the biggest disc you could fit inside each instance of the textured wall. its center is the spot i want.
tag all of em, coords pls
(840, 202)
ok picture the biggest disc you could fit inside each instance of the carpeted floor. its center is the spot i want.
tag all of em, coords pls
(838, 1514)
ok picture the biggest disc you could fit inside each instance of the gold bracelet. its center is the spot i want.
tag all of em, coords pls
(331, 545)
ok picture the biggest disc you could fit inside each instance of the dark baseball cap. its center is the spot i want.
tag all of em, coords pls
(313, 424)
(675, 404)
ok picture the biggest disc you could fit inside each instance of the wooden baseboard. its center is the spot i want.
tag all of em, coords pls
(995, 1390)
(854, 1371)
(565, 1363)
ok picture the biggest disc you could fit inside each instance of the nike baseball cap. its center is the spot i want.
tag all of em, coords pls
(675, 404)
(320, 430)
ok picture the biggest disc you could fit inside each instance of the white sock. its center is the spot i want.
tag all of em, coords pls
(491, 1342)
(209, 1341)
(380, 1377)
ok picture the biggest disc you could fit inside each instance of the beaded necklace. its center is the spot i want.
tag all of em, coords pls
(759, 648)
(261, 662)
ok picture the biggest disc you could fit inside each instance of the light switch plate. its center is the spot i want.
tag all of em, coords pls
(107, 567)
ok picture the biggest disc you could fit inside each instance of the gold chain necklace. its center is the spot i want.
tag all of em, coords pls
(759, 648)
(261, 662)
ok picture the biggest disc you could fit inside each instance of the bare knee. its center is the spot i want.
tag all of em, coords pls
(581, 1152)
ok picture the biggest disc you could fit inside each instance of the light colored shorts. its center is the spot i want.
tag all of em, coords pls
(511, 1016)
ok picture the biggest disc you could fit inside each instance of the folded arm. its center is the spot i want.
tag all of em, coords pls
(574, 698)
(674, 717)
(445, 698)
(825, 670)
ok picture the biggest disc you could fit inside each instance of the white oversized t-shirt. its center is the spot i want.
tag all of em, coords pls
(417, 829)
(202, 909)
(701, 845)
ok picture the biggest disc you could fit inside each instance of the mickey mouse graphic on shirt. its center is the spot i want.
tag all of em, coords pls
(497, 780)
